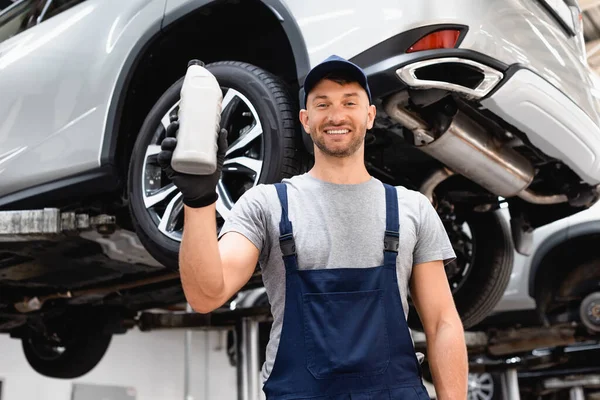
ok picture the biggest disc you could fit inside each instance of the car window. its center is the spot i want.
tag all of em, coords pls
(24, 14)
(19, 17)
(564, 14)
(55, 7)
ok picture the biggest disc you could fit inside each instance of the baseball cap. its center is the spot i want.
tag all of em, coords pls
(335, 64)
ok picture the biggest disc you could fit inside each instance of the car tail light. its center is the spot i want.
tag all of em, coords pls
(445, 39)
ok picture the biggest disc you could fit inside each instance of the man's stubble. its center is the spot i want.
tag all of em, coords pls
(352, 147)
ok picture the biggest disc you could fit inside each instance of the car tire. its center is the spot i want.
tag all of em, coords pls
(80, 354)
(269, 106)
(492, 262)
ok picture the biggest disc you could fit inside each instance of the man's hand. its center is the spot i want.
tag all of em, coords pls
(197, 190)
(211, 271)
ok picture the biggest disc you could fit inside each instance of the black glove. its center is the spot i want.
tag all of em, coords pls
(197, 190)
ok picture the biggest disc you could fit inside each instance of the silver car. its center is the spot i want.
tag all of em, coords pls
(549, 315)
(480, 103)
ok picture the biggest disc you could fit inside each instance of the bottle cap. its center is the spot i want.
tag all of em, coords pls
(195, 62)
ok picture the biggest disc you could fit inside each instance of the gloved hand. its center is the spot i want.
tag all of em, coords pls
(197, 190)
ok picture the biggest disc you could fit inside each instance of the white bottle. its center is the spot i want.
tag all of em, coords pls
(199, 120)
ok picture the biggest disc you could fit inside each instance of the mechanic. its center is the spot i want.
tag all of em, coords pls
(337, 249)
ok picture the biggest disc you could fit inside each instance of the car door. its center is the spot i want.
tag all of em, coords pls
(59, 64)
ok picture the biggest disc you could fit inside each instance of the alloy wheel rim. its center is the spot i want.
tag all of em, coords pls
(481, 387)
(463, 244)
(45, 349)
(242, 167)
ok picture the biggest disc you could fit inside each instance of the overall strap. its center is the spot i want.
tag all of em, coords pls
(286, 233)
(391, 241)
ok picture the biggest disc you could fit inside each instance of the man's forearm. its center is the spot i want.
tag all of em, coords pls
(448, 362)
(199, 258)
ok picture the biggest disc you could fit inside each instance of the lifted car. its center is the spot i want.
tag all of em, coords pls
(479, 104)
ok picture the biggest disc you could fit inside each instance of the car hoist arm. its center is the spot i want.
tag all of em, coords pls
(44, 224)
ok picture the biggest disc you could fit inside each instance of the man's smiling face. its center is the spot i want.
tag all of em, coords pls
(337, 117)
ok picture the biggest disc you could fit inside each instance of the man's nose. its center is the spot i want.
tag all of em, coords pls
(336, 116)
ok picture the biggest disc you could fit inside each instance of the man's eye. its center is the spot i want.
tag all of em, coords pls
(350, 103)
(321, 105)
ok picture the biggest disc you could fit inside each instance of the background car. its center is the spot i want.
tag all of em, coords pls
(549, 315)
(559, 282)
(479, 104)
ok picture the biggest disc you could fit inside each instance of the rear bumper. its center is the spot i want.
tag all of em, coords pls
(552, 121)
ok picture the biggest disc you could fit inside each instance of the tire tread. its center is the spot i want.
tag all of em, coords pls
(289, 134)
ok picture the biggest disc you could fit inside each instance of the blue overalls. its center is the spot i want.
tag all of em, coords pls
(344, 334)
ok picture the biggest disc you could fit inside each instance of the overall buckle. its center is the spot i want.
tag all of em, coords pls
(391, 241)
(287, 244)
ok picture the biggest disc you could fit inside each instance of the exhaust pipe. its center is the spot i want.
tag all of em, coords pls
(30, 304)
(466, 148)
(439, 176)
(470, 78)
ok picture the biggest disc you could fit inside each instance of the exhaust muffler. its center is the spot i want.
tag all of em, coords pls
(467, 149)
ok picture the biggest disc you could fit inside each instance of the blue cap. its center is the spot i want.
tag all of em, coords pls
(334, 64)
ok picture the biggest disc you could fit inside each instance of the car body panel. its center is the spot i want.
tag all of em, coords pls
(518, 294)
(512, 31)
(52, 125)
(175, 9)
(551, 121)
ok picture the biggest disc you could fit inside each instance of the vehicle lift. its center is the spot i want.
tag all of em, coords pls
(51, 223)
(244, 322)
(25, 225)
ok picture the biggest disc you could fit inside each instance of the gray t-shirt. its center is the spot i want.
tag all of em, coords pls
(334, 226)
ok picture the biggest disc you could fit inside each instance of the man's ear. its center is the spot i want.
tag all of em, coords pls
(304, 120)
(371, 116)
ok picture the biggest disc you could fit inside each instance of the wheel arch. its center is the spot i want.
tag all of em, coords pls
(278, 9)
(558, 248)
(136, 90)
